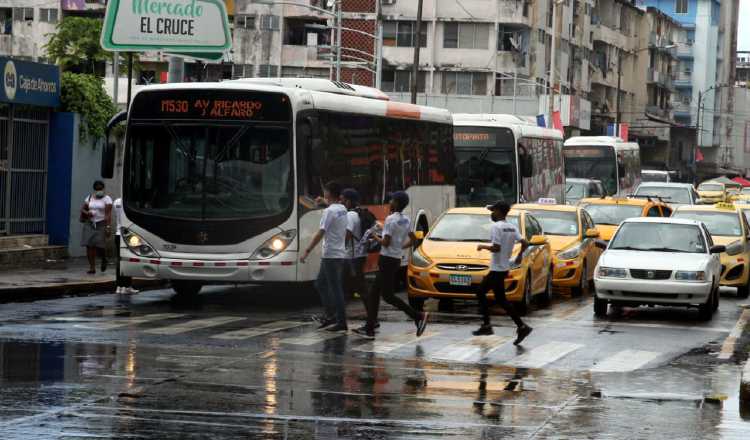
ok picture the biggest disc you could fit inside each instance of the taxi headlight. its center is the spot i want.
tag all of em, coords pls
(418, 259)
(735, 248)
(569, 254)
(274, 245)
(612, 272)
(685, 275)
(137, 244)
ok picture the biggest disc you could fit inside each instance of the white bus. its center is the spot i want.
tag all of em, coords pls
(504, 157)
(611, 160)
(219, 179)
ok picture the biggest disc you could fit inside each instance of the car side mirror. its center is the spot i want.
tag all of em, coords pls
(592, 233)
(538, 240)
(718, 249)
(419, 235)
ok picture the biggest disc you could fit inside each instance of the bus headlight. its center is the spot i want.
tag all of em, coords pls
(137, 244)
(274, 245)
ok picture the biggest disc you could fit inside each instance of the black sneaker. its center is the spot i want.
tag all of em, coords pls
(522, 333)
(484, 330)
(422, 323)
(364, 332)
(104, 265)
(337, 328)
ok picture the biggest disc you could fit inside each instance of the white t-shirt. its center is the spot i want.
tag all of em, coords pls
(505, 235)
(355, 227)
(397, 226)
(118, 211)
(333, 223)
(97, 207)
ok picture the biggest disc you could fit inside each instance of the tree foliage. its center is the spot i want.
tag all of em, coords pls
(84, 94)
(75, 46)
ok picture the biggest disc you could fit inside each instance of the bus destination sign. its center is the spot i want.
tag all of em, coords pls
(585, 152)
(219, 105)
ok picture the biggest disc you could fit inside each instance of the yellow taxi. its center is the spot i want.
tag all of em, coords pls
(609, 212)
(727, 226)
(743, 196)
(572, 235)
(712, 192)
(447, 264)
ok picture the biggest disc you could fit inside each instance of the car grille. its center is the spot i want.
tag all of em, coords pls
(462, 267)
(645, 274)
(447, 288)
(653, 295)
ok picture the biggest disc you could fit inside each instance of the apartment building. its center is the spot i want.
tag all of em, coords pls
(24, 26)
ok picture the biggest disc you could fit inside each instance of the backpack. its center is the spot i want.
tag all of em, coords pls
(366, 219)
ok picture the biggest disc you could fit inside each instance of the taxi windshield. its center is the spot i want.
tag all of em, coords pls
(613, 214)
(710, 187)
(575, 190)
(718, 223)
(463, 227)
(557, 222)
(680, 196)
(659, 237)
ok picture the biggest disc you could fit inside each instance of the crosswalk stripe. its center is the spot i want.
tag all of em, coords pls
(263, 329)
(625, 360)
(390, 343)
(195, 324)
(544, 354)
(126, 322)
(478, 346)
(311, 338)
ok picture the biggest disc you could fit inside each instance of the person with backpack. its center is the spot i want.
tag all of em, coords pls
(96, 216)
(333, 233)
(396, 237)
(360, 220)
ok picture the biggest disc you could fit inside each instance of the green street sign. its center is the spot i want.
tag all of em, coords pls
(184, 26)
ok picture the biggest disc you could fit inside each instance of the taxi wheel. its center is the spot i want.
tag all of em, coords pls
(600, 307)
(715, 305)
(416, 303)
(744, 291)
(705, 310)
(546, 297)
(583, 286)
(524, 305)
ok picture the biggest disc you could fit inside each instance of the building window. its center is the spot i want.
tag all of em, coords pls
(465, 35)
(6, 21)
(403, 34)
(242, 71)
(268, 71)
(269, 22)
(244, 22)
(23, 14)
(303, 32)
(48, 15)
(464, 83)
(681, 7)
(509, 38)
(399, 81)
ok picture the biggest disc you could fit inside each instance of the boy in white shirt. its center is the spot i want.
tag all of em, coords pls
(397, 236)
(503, 237)
(330, 282)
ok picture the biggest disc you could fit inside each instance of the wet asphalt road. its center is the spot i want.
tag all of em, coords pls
(248, 363)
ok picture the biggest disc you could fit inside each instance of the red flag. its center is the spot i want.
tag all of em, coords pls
(557, 121)
(698, 155)
(624, 131)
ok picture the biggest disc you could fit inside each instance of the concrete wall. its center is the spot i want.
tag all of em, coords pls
(525, 106)
(28, 37)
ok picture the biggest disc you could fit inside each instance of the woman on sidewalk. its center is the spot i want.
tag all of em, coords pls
(96, 215)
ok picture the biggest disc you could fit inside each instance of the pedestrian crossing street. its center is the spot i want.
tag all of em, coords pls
(443, 343)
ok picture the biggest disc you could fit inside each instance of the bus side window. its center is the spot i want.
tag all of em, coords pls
(309, 157)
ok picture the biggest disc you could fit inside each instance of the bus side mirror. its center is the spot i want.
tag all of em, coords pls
(110, 146)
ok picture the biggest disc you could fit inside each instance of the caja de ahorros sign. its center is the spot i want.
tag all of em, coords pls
(191, 26)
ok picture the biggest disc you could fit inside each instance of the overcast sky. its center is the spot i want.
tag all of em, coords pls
(743, 42)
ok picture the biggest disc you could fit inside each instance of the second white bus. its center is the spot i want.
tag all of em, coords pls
(611, 160)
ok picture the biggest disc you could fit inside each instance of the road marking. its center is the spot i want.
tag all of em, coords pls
(390, 343)
(727, 348)
(478, 346)
(195, 324)
(626, 360)
(127, 322)
(311, 338)
(263, 329)
(545, 354)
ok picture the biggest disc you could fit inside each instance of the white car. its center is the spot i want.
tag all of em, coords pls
(659, 261)
(672, 193)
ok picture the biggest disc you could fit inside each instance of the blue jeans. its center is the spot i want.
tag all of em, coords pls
(330, 285)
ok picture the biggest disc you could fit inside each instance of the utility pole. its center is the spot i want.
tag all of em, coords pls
(698, 116)
(176, 71)
(552, 66)
(339, 14)
(617, 99)
(417, 44)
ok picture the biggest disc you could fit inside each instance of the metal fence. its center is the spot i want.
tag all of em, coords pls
(23, 169)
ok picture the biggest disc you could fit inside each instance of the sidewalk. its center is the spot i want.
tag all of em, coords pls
(66, 278)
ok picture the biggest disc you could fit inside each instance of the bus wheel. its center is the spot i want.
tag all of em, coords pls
(186, 289)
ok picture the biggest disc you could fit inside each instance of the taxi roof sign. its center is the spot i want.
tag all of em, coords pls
(547, 201)
(725, 206)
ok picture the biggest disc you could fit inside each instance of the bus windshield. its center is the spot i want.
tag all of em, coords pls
(486, 165)
(208, 170)
(592, 162)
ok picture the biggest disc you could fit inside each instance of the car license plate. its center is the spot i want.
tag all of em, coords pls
(459, 280)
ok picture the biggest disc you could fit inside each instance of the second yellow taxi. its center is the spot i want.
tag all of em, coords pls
(447, 264)
(727, 226)
(572, 236)
(609, 212)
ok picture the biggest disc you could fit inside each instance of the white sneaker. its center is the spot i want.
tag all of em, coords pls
(119, 290)
(130, 290)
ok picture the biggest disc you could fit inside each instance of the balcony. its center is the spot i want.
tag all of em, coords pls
(681, 110)
(684, 52)
(657, 77)
(610, 36)
(655, 110)
(509, 12)
(683, 81)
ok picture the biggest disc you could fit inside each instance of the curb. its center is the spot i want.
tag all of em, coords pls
(52, 291)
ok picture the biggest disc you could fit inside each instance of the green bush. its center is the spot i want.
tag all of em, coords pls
(84, 94)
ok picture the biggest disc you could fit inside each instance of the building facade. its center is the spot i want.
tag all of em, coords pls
(24, 27)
